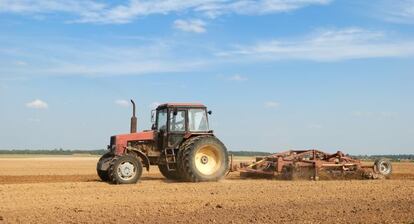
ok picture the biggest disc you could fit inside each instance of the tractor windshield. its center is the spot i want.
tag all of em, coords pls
(197, 120)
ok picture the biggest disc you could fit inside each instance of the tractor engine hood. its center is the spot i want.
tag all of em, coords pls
(121, 141)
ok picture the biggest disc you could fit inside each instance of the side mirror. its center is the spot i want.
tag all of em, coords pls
(210, 112)
(175, 112)
(153, 127)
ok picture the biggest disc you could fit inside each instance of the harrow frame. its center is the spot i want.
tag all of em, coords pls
(310, 163)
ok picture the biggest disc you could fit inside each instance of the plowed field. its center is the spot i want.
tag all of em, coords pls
(66, 190)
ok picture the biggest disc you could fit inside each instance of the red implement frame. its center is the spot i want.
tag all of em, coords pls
(307, 163)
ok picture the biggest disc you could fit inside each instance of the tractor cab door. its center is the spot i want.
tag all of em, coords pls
(170, 126)
(161, 128)
(177, 124)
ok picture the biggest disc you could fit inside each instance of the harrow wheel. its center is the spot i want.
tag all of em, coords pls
(126, 169)
(203, 158)
(383, 167)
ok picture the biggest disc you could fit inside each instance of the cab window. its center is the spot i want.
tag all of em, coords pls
(197, 120)
(162, 120)
(177, 121)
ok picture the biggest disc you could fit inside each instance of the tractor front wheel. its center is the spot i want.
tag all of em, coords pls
(102, 166)
(126, 169)
(103, 174)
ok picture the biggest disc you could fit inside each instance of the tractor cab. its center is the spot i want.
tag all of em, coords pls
(175, 122)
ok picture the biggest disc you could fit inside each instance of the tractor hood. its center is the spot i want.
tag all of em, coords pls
(121, 141)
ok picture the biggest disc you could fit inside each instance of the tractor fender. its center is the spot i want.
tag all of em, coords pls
(104, 162)
(191, 134)
(145, 159)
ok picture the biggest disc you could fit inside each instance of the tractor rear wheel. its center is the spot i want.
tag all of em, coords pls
(169, 174)
(203, 158)
(126, 169)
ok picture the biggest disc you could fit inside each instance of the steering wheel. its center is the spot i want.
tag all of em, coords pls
(179, 126)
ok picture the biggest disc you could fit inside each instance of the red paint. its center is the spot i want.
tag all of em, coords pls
(181, 105)
(122, 140)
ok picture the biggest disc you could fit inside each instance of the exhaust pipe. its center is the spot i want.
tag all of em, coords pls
(133, 119)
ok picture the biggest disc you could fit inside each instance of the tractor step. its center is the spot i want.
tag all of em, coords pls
(170, 159)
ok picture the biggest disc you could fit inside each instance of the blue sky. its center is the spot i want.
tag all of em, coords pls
(278, 74)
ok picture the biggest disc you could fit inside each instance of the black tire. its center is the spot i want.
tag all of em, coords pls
(103, 173)
(383, 167)
(195, 169)
(171, 175)
(126, 169)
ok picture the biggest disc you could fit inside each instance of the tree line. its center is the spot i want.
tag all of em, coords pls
(60, 151)
(52, 152)
(101, 152)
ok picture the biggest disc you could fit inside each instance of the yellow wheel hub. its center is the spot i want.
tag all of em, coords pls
(208, 160)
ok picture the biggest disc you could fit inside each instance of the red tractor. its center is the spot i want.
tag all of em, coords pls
(179, 142)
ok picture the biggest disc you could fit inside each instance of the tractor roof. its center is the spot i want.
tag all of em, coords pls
(181, 105)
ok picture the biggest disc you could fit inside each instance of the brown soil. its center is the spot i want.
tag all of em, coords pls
(70, 192)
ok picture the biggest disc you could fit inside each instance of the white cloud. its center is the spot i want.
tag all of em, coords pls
(37, 104)
(271, 104)
(34, 120)
(371, 114)
(123, 68)
(90, 11)
(327, 45)
(396, 11)
(96, 60)
(21, 63)
(238, 78)
(261, 7)
(82, 8)
(315, 126)
(193, 25)
(160, 56)
(122, 103)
